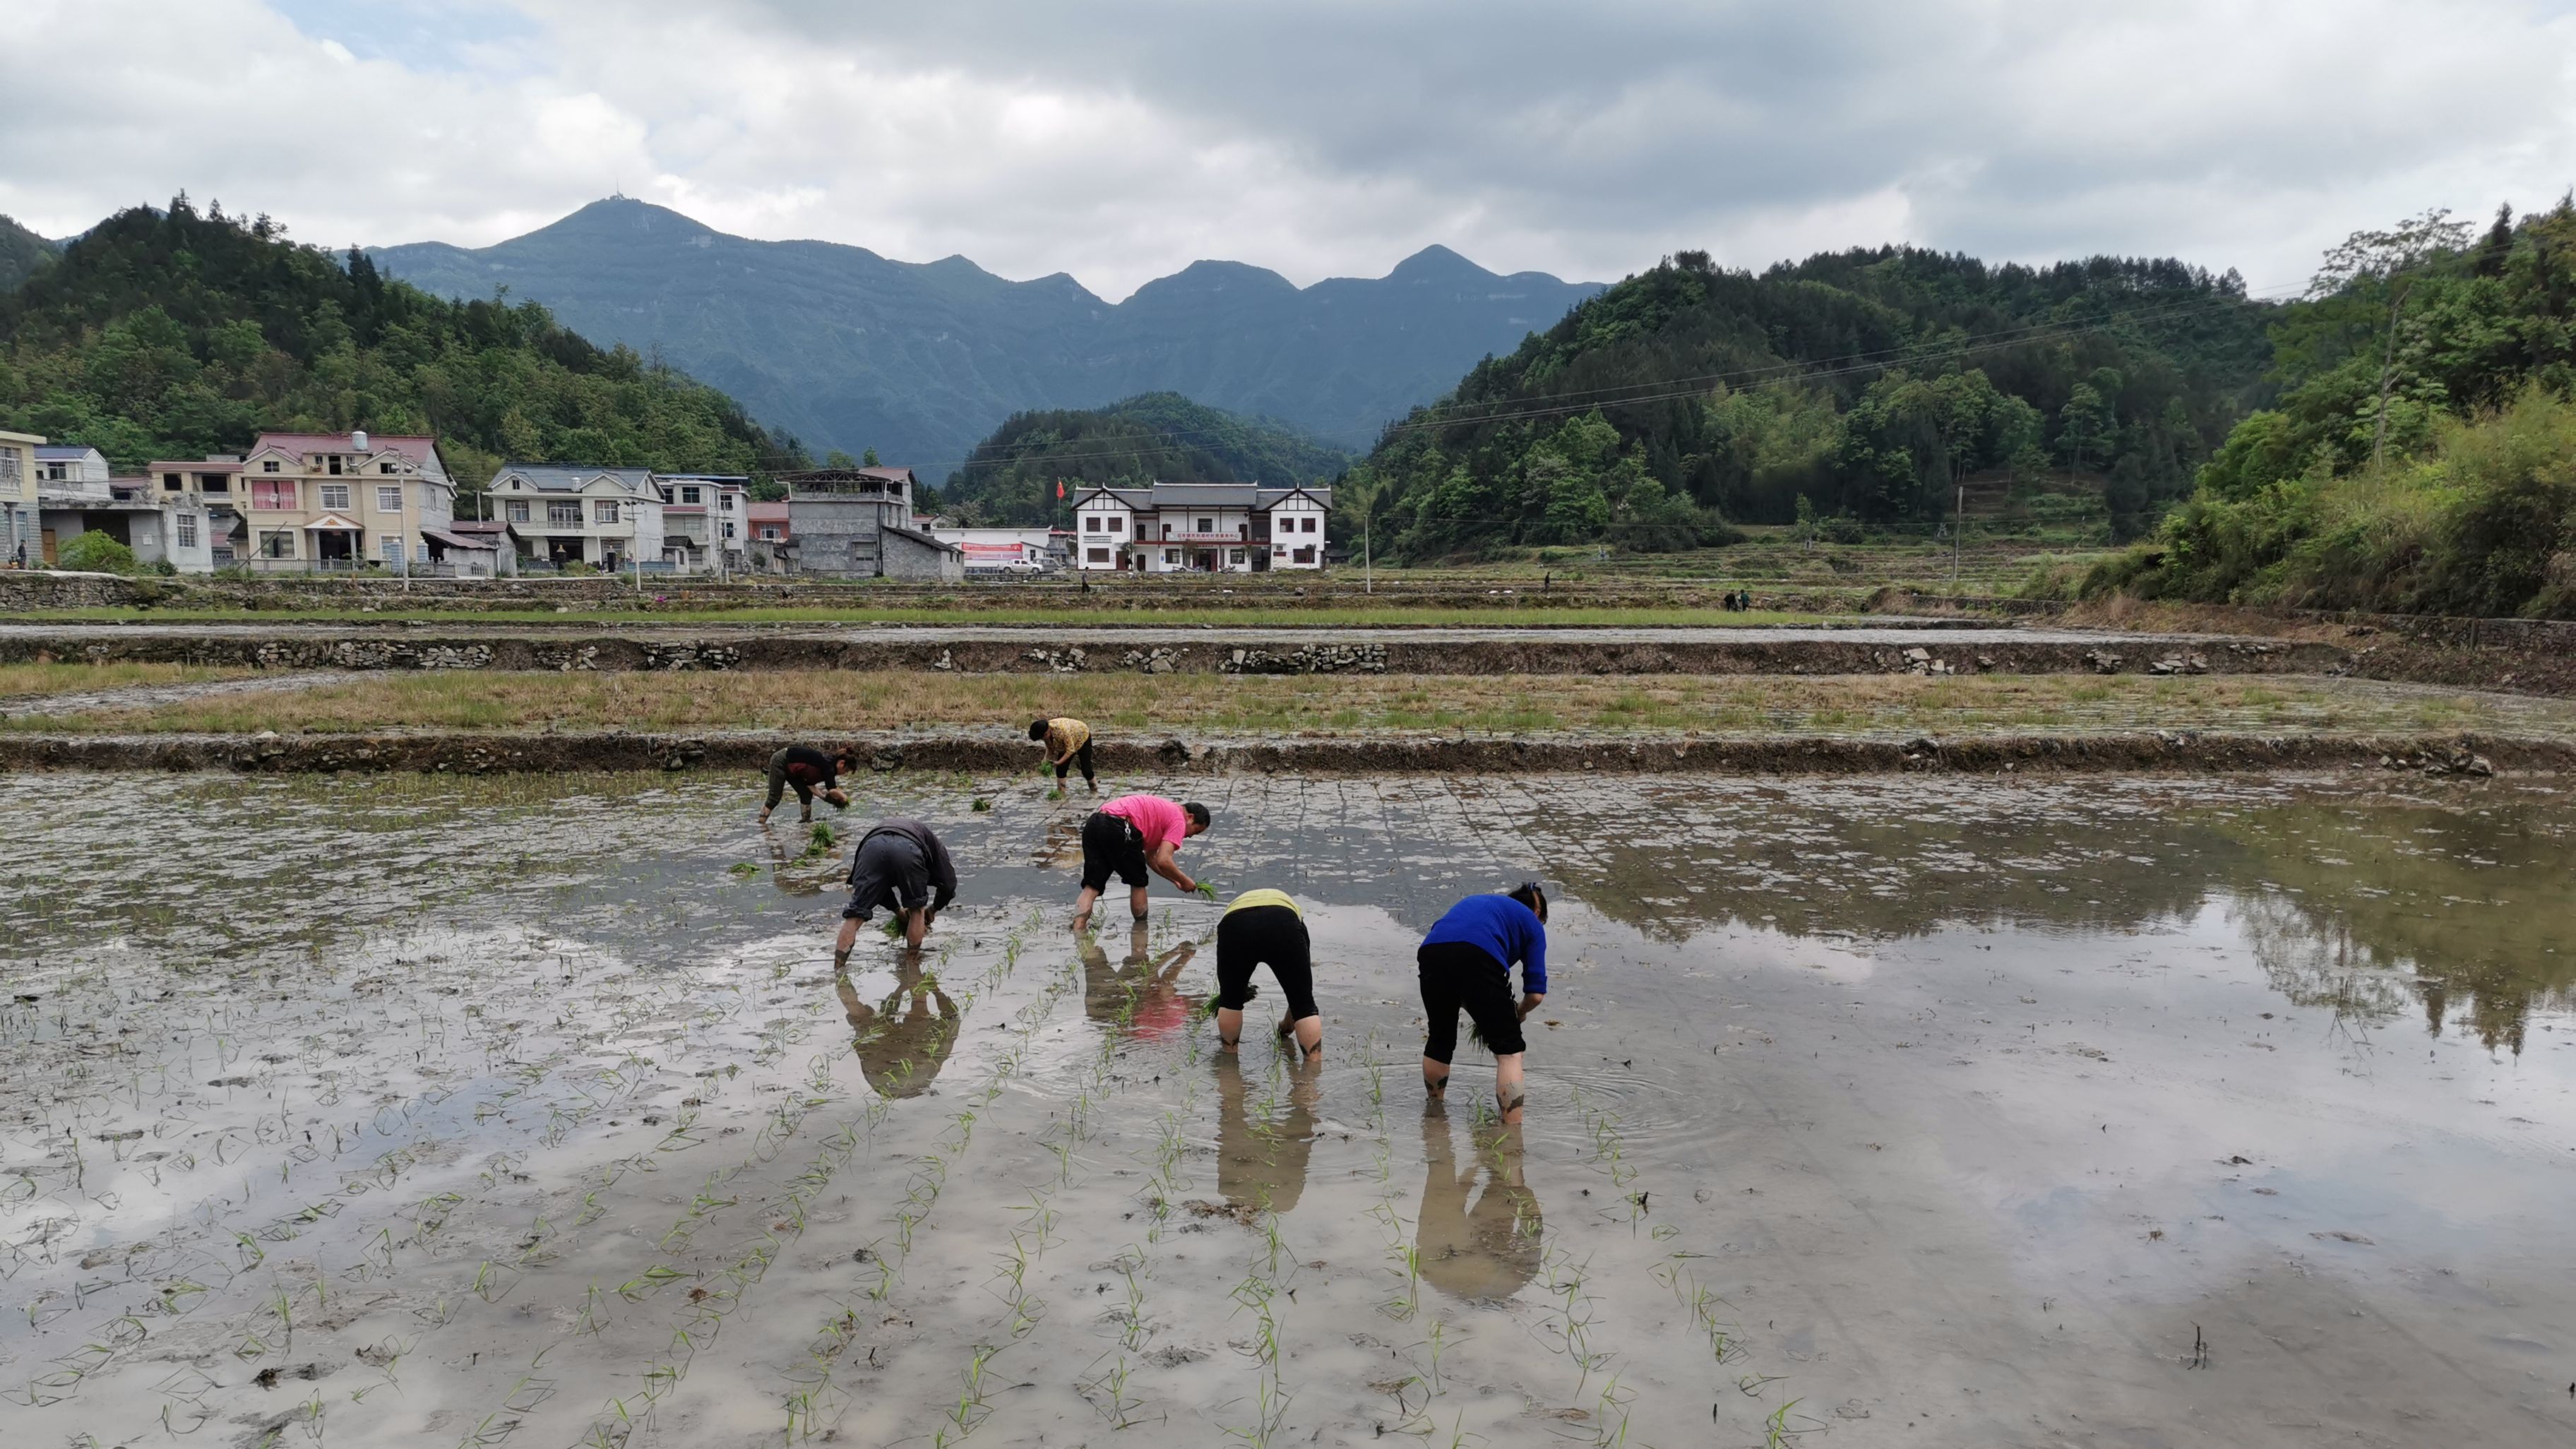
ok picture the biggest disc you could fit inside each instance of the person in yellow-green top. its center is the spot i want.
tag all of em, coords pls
(1261, 928)
(1068, 743)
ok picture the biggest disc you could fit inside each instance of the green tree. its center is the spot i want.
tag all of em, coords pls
(96, 553)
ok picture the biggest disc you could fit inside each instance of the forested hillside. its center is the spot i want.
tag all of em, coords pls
(21, 253)
(1163, 436)
(1863, 384)
(2423, 456)
(177, 333)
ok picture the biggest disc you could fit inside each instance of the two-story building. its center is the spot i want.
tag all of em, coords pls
(18, 517)
(705, 520)
(1200, 528)
(565, 513)
(858, 523)
(202, 497)
(344, 500)
(70, 466)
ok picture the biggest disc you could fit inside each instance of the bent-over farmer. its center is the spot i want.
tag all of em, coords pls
(1130, 836)
(1265, 928)
(899, 863)
(1465, 963)
(1068, 743)
(810, 771)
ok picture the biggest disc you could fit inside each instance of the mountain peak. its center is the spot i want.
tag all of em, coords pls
(1435, 263)
(622, 216)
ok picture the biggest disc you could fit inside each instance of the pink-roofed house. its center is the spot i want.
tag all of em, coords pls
(345, 501)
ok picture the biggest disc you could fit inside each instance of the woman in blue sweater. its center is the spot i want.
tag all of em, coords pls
(1466, 964)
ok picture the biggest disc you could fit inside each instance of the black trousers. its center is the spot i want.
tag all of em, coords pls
(1456, 977)
(1272, 936)
(1081, 757)
(1111, 846)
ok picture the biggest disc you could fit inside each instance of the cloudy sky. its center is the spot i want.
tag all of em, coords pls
(1120, 139)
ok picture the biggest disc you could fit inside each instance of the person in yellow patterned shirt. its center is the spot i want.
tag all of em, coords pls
(1264, 927)
(1068, 743)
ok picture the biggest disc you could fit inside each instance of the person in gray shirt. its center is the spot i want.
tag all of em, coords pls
(900, 864)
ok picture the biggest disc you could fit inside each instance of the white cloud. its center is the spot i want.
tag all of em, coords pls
(1121, 139)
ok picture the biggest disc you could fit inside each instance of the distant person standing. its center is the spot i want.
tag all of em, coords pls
(1130, 836)
(809, 770)
(1068, 743)
(1265, 928)
(902, 864)
(1465, 964)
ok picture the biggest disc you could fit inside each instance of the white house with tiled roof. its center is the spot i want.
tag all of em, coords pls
(1200, 528)
(565, 513)
(333, 501)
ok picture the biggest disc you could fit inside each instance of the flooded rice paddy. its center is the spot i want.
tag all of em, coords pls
(1882, 1111)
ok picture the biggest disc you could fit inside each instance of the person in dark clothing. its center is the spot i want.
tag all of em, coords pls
(808, 769)
(1068, 743)
(1265, 928)
(1465, 964)
(899, 863)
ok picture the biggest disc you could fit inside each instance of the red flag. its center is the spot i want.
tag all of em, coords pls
(1059, 490)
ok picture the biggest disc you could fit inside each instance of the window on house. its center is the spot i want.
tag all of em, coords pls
(689, 495)
(277, 543)
(1305, 555)
(564, 515)
(172, 483)
(518, 510)
(604, 511)
(729, 531)
(279, 493)
(1171, 557)
(389, 498)
(335, 497)
(214, 483)
(1207, 525)
(268, 466)
(187, 530)
(384, 467)
(1234, 555)
(56, 472)
(335, 465)
(1091, 523)
(1310, 523)
(1098, 555)
(1117, 524)
(769, 531)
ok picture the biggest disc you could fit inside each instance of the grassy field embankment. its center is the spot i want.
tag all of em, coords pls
(1069, 616)
(825, 702)
(23, 681)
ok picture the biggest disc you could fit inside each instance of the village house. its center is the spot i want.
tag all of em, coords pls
(603, 518)
(857, 523)
(703, 520)
(202, 497)
(1200, 528)
(331, 501)
(77, 495)
(18, 517)
(769, 522)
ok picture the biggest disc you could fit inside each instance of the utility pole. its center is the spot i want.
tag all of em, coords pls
(1368, 561)
(1958, 525)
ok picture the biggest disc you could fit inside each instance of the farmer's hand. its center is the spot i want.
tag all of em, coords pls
(839, 800)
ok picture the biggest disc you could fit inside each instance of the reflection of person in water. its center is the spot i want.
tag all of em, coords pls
(902, 1043)
(1485, 1249)
(1263, 1165)
(1153, 986)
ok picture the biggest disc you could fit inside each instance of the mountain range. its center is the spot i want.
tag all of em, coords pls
(920, 360)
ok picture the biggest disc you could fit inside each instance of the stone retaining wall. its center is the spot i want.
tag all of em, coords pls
(1790, 652)
(2132, 752)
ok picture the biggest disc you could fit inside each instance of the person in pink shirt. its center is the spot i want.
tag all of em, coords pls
(1129, 836)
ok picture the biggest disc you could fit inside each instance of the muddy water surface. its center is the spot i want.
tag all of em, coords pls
(1872, 1112)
